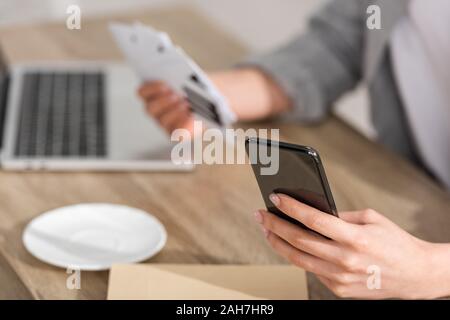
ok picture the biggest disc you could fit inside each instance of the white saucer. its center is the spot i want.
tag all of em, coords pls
(93, 236)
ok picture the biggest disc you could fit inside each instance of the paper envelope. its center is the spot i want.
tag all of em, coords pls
(206, 282)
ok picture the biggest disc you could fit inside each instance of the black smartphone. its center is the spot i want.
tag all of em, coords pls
(300, 175)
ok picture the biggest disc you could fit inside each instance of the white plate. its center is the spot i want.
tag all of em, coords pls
(93, 236)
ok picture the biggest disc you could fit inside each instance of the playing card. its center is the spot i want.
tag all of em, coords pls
(154, 57)
(161, 39)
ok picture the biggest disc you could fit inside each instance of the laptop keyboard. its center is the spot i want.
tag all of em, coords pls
(62, 115)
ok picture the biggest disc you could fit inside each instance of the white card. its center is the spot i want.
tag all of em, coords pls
(153, 57)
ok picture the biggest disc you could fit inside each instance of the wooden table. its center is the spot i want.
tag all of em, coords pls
(207, 213)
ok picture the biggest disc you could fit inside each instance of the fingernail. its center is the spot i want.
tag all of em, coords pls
(258, 217)
(265, 231)
(275, 199)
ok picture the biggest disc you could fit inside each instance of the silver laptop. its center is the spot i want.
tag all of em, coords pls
(78, 116)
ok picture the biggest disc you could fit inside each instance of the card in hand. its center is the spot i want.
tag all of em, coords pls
(153, 57)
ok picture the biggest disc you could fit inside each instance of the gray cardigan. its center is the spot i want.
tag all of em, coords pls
(336, 53)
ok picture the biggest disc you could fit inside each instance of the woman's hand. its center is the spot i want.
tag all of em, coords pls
(251, 95)
(367, 256)
(169, 108)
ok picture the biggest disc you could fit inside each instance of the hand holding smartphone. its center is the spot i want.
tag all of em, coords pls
(300, 175)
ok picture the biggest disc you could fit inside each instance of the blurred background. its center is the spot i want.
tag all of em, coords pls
(258, 24)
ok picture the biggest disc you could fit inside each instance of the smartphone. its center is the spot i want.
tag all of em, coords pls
(300, 175)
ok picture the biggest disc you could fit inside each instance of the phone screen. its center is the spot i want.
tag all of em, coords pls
(299, 176)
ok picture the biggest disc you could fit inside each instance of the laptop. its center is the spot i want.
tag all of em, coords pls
(85, 116)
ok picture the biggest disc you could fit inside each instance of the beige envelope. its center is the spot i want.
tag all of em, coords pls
(206, 282)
